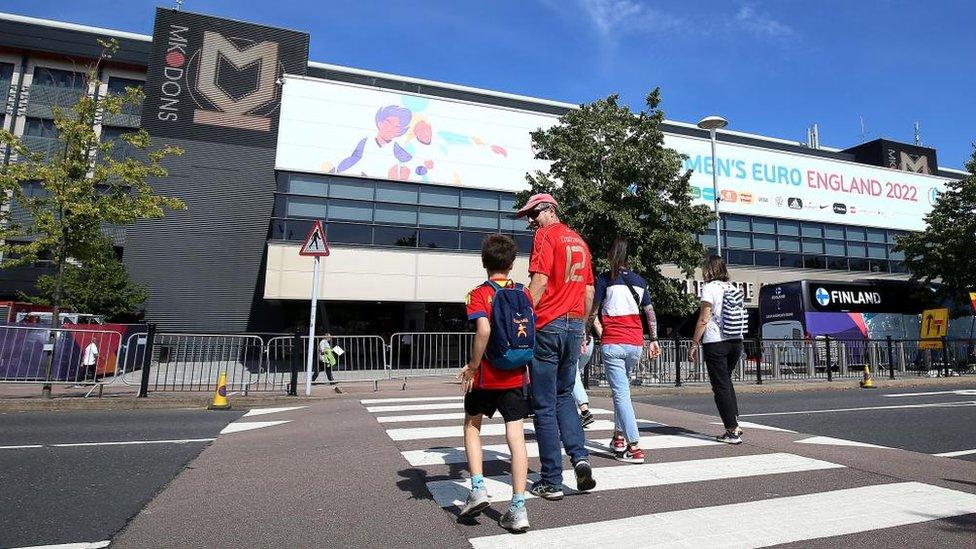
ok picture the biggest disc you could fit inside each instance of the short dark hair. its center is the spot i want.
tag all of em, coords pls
(714, 269)
(498, 252)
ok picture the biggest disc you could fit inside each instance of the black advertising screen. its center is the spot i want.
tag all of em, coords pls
(212, 79)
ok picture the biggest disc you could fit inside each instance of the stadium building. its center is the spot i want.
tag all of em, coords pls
(406, 174)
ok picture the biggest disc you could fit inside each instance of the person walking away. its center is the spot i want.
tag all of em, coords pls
(89, 361)
(579, 390)
(625, 312)
(327, 358)
(722, 323)
(495, 376)
(561, 286)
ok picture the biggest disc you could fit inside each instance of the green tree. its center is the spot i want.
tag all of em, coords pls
(79, 188)
(945, 252)
(612, 175)
(100, 285)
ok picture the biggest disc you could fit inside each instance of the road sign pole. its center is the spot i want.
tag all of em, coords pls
(310, 354)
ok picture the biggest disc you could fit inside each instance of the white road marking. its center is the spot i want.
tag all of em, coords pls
(453, 492)
(963, 404)
(262, 411)
(957, 453)
(459, 416)
(133, 442)
(831, 441)
(411, 399)
(499, 452)
(21, 447)
(850, 511)
(415, 407)
(82, 545)
(961, 392)
(237, 427)
(491, 429)
(749, 425)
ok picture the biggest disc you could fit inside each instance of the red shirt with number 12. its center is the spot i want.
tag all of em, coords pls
(559, 253)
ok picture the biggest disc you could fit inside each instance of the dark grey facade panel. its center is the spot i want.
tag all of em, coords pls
(205, 266)
(75, 44)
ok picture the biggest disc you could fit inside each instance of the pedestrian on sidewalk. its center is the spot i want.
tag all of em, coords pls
(327, 358)
(623, 305)
(721, 325)
(579, 390)
(489, 386)
(562, 291)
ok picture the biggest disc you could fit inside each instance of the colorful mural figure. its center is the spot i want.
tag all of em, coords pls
(409, 137)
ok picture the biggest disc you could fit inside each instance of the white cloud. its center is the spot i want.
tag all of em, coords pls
(761, 24)
(612, 19)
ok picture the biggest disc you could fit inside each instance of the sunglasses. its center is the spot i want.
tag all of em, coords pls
(535, 213)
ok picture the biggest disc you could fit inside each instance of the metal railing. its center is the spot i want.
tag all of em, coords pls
(69, 356)
(420, 354)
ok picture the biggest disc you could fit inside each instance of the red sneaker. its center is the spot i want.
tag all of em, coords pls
(632, 455)
(618, 445)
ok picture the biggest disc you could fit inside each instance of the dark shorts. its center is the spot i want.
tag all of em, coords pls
(511, 403)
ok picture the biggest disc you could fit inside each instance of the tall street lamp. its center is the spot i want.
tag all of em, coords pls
(712, 123)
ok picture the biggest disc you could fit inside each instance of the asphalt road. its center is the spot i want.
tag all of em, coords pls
(930, 421)
(68, 494)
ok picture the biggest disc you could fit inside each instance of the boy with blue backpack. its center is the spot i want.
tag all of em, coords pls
(496, 377)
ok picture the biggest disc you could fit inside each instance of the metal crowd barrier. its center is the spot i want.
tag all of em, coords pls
(66, 356)
(363, 358)
(419, 354)
(193, 362)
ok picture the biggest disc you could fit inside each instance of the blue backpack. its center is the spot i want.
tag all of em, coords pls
(512, 341)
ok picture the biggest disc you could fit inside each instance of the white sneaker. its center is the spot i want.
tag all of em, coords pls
(477, 502)
(515, 521)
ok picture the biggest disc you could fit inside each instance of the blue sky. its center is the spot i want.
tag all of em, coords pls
(771, 68)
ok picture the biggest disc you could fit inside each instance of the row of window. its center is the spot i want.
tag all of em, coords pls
(809, 261)
(763, 242)
(805, 229)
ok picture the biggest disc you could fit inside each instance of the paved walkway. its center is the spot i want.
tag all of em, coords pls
(386, 470)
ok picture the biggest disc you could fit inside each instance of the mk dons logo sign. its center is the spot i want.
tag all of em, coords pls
(218, 80)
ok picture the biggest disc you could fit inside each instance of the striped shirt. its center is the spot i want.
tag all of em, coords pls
(619, 311)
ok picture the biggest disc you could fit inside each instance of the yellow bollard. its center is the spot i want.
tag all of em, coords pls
(868, 381)
(220, 401)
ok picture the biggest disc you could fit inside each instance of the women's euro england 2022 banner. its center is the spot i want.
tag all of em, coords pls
(347, 129)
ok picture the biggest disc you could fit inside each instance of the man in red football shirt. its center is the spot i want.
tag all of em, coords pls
(562, 291)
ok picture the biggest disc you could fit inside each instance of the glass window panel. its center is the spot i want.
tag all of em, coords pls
(876, 266)
(837, 263)
(479, 200)
(835, 247)
(305, 207)
(856, 250)
(893, 236)
(813, 246)
(737, 223)
(395, 236)
(834, 231)
(707, 239)
(297, 229)
(767, 259)
(479, 220)
(814, 262)
(447, 240)
(438, 217)
(789, 244)
(739, 257)
(472, 241)
(117, 86)
(858, 264)
(401, 193)
(855, 233)
(396, 213)
(763, 241)
(507, 223)
(892, 254)
(347, 233)
(308, 185)
(6, 71)
(794, 261)
(40, 127)
(46, 76)
(761, 225)
(356, 189)
(506, 202)
(788, 228)
(813, 230)
(438, 196)
(876, 235)
(348, 210)
(524, 242)
(738, 240)
(898, 267)
(877, 251)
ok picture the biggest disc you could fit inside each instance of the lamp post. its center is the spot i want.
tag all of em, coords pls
(712, 123)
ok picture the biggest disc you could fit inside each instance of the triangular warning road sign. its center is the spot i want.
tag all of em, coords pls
(315, 244)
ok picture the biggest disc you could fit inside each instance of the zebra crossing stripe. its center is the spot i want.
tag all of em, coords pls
(409, 399)
(499, 452)
(770, 522)
(415, 407)
(493, 429)
(453, 492)
(459, 416)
